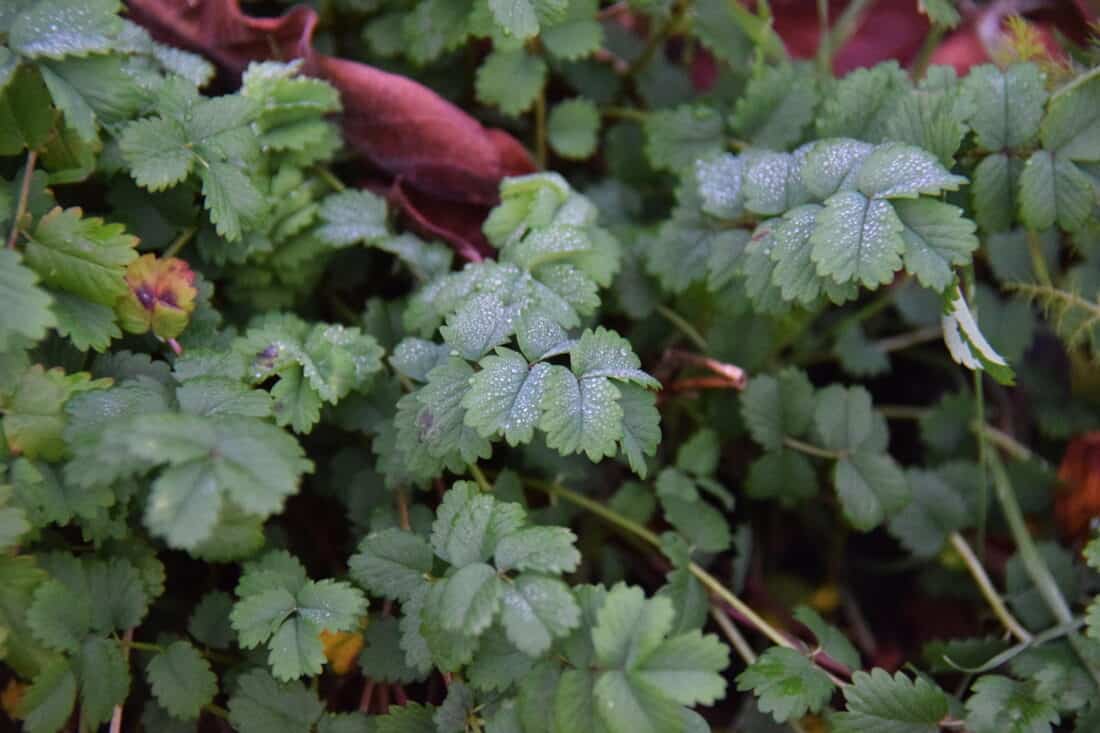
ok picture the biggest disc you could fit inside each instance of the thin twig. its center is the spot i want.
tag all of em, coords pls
(657, 39)
(737, 641)
(812, 450)
(364, 699)
(179, 242)
(24, 196)
(985, 585)
(403, 511)
(684, 327)
(329, 178)
(116, 714)
(479, 476)
(540, 129)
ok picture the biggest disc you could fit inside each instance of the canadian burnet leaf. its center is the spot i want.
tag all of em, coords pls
(34, 419)
(933, 119)
(156, 149)
(895, 170)
(786, 684)
(536, 609)
(181, 680)
(480, 324)
(994, 191)
(1008, 104)
(773, 181)
(27, 306)
(860, 356)
(718, 181)
(58, 28)
(573, 127)
(469, 524)
(391, 563)
(829, 638)
(860, 105)
(795, 273)
(1071, 127)
(857, 239)
(350, 217)
(382, 658)
(510, 80)
(935, 511)
(703, 525)
(776, 107)
(784, 475)
(676, 138)
(470, 599)
(576, 34)
(777, 407)
(26, 113)
(1053, 190)
(833, 165)
(581, 414)
(50, 699)
(876, 701)
(843, 417)
(262, 704)
(871, 487)
(540, 549)
(1004, 705)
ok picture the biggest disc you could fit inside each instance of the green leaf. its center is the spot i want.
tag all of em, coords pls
(520, 18)
(535, 610)
(937, 239)
(350, 217)
(33, 420)
(182, 680)
(382, 658)
(843, 417)
(410, 718)
(676, 138)
(1053, 190)
(541, 549)
(968, 346)
(782, 474)
(629, 627)
(994, 191)
(470, 599)
(859, 239)
(831, 640)
(88, 325)
(941, 12)
(504, 397)
(82, 256)
(49, 701)
(832, 166)
(27, 306)
(871, 488)
(786, 684)
(795, 274)
(1008, 104)
(776, 107)
(217, 396)
(59, 618)
(933, 119)
(580, 414)
(777, 407)
(391, 563)
(58, 28)
(469, 524)
(936, 510)
(1001, 705)
(457, 707)
(510, 80)
(1071, 128)
(577, 34)
(157, 152)
(861, 104)
(641, 426)
(629, 705)
(572, 128)
(209, 622)
(26, 115)
(698, 521)
(687, 668)
(104, 679)
(886, 704)
(773, 181)
(261, 704)
(895, 170)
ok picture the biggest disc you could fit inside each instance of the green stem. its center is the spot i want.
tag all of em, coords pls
(684, 327)
(846, 25)
(540, 129)
(24, 196)
(479, 476)
(985, 585)
(143, 646)
(657, 39)
(179, 242)
(924, 55)
(216, 710)
(624, 113)
(983, 480)
(824, 54)
(912, 338)
(1038, 262)
(736, 639)
(1033, 562)
(812, 450)
(329, 178)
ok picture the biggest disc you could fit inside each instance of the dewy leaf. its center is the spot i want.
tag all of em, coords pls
(778, 407)
(504, 397)
(860, 105)
(1008, 104)
(26, 306)
(541, 549)
(641, 426)
(871, 488)
(391, 563)
(580, 414)
(58, 28)
(83, 256)
(181, 680)
(773, 181)
(859, 239)
(535, 610)
(469, 524)
(719, 186)
(440, 423)
(885, 704)
(776, 107)
(261, 704)
(349, 217)
(994, 191)
(479, 324)
(604, 353)
(832, 166)
(896, 170)
(470, 599)
(786, 684)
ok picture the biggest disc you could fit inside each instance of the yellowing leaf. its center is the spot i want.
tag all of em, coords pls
(161, 296)
(341, 649)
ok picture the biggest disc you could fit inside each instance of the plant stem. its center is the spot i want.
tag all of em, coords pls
(143, 646)
(1033, 562)
(24, 195)
(846, 25)
(988, 591)
(657, 39)
(824, 54)
(1038, 262)
(684, 327)
(812, 450)
(216, 710)
(737, 641)
(116, 714)
(983, 480)
(179, 242)
(624, 113)
(902, 412)
(924, 55)
(479, 476)
(329, 177)
(540, 129)
(912, 338)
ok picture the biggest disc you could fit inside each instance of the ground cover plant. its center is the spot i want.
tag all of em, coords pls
(539, 366)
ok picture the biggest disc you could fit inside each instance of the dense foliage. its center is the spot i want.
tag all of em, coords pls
(776, 363)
